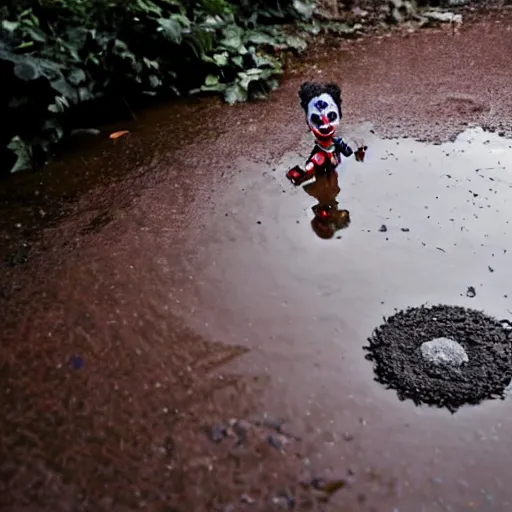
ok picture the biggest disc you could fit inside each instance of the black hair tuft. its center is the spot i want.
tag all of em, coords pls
(308, 90)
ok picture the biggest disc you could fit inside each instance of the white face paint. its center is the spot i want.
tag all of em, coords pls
(323, 115)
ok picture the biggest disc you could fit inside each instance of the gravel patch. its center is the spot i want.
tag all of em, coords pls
(444, 356)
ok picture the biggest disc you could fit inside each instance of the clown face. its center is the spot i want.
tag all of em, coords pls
(323, 116)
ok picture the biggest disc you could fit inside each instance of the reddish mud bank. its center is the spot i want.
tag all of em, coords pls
(185, 248)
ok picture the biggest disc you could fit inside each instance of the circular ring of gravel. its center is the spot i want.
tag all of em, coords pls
(394, 348)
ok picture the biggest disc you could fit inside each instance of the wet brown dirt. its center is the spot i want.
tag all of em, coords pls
(186, 278)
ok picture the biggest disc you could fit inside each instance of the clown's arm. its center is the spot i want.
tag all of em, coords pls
(347, 151)
(298, 176)
(344, 148)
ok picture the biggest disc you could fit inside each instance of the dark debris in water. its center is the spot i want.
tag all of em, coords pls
(329, 487)
(239, 432)
(77, 362)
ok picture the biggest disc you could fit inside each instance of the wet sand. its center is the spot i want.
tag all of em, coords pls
(188, 288)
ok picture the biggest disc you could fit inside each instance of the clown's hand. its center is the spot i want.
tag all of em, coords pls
(296, 175)
(360, 153)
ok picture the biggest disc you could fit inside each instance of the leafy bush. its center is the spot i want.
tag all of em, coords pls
(56, 55)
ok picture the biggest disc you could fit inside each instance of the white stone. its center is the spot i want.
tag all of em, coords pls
(444, 351)
(443, 17)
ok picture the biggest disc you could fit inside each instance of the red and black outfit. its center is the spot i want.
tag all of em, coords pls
(324, 160)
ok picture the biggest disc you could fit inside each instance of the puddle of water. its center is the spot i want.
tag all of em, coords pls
(306, 305)
(250, 271)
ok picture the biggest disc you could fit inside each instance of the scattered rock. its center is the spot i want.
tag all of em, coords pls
(275, 443)
(245, 498)
(240, 431)
(273, 424)
(284, 501)
(490, 269)
(471, 292)
(444, 351)
(383, 228)
(405, 230)
(217, 433)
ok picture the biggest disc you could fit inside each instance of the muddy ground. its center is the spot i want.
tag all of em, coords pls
(177, 286)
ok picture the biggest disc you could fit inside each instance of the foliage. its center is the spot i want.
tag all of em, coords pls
(59, 54)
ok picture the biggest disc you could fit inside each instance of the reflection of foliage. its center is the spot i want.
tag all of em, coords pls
(56, 54)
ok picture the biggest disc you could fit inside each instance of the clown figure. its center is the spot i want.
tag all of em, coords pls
(322, 105)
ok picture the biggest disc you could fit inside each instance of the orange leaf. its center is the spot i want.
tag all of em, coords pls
(116, 135)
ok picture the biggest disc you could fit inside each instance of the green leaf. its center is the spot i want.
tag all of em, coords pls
(151, 64)
(260, 38)
(36, 34)
(235, 94)
(238, 61)
(53, 130)
(77, 76)
(25, 45)
(10, 26)
(212, 84)
(63, 88)
(154, 81)
(213, 88)
(182, 20)
(170, 29)
(262, 60)
(60, 105)
(147, 7)
(23, 152)
(310, 27)
(85, 94)
(297, 43)
(77, 36)
(232, 38)
(221, 59)
(211, 80)
(27, 70)
(304, 8)
(201, 41)
(339, 28)
(273, 83)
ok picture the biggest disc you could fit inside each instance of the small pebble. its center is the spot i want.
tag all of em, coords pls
(241, 432)
(272, 441)
(245, 498)
(217, 433)
(383, 228)
(471, 293)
